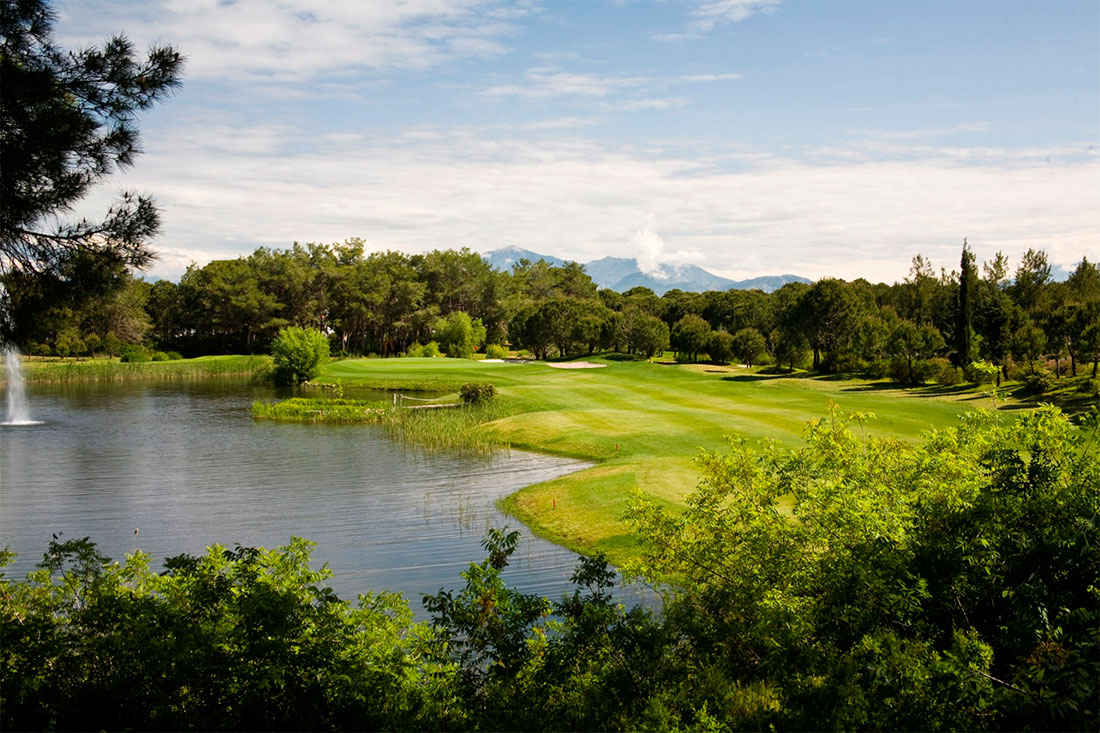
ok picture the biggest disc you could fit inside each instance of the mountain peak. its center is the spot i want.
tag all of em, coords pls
(622, 273)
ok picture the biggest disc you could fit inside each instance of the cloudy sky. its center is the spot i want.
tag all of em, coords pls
(751, 137)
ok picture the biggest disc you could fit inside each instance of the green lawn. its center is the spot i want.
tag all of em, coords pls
(643, 422)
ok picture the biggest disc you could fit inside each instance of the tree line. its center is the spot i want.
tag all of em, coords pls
(391, 304)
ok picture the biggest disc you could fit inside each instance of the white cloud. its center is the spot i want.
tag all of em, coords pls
(545, 82)
(712, 13)
(924, 132)
(706, 15)
(299, 41)
(574, 197)
(647, 247)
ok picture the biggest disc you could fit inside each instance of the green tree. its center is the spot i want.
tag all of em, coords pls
(964, 305)
(458, 335)
(1084, 282)
(298, 354)
(67, 121)
(1032, 277)
(1029, 343)
(749, 346)
(911, 342)
(720, 347)
(825, 314)
(646, 334)
(689, 337)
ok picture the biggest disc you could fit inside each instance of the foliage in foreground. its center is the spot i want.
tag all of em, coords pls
(873, 584)
(848, 584)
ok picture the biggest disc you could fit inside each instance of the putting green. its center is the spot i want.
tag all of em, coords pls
(643, 422)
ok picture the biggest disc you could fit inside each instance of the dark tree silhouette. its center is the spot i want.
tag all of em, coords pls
(67, 119)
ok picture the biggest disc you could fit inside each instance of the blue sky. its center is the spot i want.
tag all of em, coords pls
(750, 137)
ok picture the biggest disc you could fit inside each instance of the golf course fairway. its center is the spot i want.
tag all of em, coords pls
(642, 423)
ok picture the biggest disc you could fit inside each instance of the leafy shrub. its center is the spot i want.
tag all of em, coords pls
(133, 353)
(981, 372)
(878, 369)
(473, 393)
(496, 351)
(1017, 372)
(174, 355)
(844, 362)
(420, 351)
(922, 370)
(160, 356)
(945, 372)
(458, 335)
(298, 354)
(1038, 382)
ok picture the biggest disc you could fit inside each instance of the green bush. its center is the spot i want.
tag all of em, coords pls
(844, 362)
(174, 355)
(980, 372)
(496, 351)
(429, 349)
(134, 353)
(473, 393)
(298, 354)
(923, 370)
(1038, 382)
(944, 372)
(458, 335)
(878, 369)
(160, 356)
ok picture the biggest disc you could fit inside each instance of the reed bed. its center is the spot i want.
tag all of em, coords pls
(108, 370)
(450, 427)
(456, 430)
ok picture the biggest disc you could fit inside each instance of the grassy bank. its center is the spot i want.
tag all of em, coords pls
(328, 410)
(109, 370)
(643, 422)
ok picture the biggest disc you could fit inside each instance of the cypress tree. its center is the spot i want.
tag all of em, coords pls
(964, 303)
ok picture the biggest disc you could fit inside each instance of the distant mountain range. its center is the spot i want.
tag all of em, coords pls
(621, 274)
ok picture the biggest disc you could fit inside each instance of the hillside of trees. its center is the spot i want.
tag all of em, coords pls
(389, 303)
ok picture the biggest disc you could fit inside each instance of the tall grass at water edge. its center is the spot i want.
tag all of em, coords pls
(107, 370)
(324, 410)
(450, 427)
(456, 430)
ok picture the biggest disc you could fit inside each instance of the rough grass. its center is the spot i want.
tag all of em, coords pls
(643, 423)
(110, 370)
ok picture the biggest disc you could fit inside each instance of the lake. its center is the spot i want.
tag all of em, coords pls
(186, 466)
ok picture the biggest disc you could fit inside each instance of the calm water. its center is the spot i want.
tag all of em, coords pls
(186, 465)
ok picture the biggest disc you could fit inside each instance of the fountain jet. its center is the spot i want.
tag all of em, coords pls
(18, 412)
